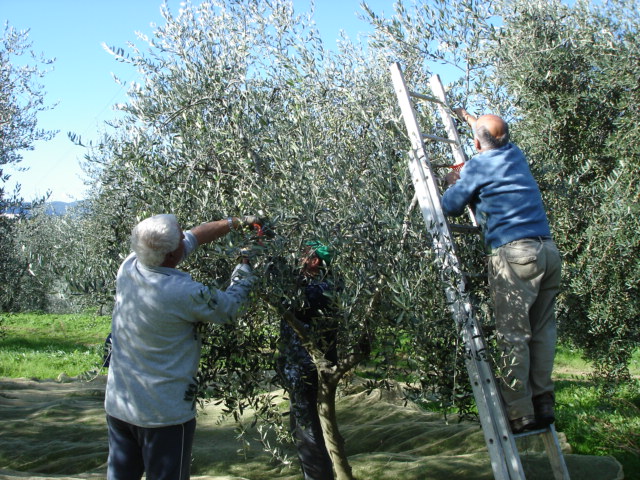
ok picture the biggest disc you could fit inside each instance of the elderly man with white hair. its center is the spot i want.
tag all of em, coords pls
(156, 347)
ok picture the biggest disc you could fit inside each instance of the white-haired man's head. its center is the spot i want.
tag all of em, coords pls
(154, 237)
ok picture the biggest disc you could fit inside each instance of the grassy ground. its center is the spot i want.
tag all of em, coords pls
(599, 419)
(596, 419)
(45, 346)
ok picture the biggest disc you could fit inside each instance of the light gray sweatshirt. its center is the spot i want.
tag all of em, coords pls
(156, 348)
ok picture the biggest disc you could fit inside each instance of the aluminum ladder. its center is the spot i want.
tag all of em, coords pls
(501, 442)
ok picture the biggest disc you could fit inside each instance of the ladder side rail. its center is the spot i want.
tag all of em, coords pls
(434, 217)
(505, 460)
(491, 396)
(424, 184)
(406, 107)
(503, 451)
(449, 125)
(452, 132)
(554, 452)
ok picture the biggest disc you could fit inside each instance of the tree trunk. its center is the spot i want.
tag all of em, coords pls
(327, 385)
(328, 378)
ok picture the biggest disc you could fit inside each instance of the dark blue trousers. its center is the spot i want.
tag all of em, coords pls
(164, 453)
(307, 433)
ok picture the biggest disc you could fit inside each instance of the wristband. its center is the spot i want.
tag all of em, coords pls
(230, 223)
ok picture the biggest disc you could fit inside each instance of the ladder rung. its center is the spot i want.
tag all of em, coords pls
(457, 228)
(439, 139)
(422, 96)
(441, 165)
(529, 433)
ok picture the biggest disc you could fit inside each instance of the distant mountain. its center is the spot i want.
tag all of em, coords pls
(51, 208)
(59, 208)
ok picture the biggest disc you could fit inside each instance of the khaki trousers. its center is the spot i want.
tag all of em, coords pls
(524, 278)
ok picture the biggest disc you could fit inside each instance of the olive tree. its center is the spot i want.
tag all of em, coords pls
(242, 110)
(21, 99)
(71, 257)
(564, 77)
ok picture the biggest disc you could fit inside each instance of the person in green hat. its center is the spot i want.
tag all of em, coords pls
(296, 367)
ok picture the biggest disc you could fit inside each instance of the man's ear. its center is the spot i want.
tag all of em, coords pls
(168, 260)
(171, 259)
(315, 261)
(476, 142)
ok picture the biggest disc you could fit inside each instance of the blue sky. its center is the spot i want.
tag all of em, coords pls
(72, 32)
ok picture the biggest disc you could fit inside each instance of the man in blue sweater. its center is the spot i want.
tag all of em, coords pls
(524, 265)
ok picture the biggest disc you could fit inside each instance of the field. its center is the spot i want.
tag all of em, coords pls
(44, 346)
(597, 420)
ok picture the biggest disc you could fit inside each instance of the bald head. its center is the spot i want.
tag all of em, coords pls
(491, 132)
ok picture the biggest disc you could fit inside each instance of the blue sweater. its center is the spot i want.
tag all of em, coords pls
(503, 194)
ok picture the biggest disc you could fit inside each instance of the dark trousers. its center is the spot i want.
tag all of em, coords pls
(307, 434)
(164, 453)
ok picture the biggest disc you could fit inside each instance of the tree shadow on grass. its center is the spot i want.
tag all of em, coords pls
(22, 344)
(52, 428)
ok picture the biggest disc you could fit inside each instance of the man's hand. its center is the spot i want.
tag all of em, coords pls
(245, 255)
(251, 220)
(452, 177)
(465, 116)
(461, 113)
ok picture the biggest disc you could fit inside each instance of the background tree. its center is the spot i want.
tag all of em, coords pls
(572, 74)
(565, 78)
(242, 110)
(67, 259)
(21, 99)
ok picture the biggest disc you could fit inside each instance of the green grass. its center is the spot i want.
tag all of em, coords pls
(43, 346)
(601, 420)
(598, 419)
(569, 362)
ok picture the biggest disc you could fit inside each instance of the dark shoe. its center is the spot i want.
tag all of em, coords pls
(519, 425)
(543, 407)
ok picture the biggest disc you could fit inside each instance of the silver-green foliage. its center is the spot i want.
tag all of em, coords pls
(21, 100)
(565, 76)
(240, 109)
(571, 72)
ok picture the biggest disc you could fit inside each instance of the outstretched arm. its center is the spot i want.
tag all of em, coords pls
(210, 231)
(465, 116)
(223, 306)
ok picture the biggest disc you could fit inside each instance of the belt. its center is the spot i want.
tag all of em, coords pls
(540, 238)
